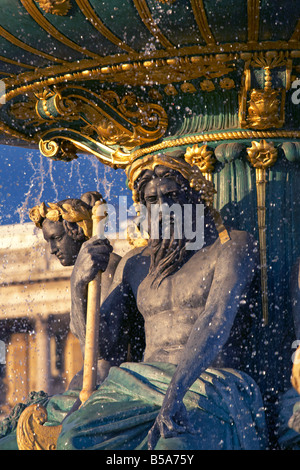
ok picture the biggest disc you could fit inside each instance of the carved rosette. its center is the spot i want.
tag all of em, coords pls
(203, 158)
(262, 154)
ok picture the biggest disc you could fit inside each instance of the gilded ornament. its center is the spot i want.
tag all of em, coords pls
(170, 90)
(55, 7)
(188, 88)
(105, 118)
(227, 83)
(155, 94)
(164, 71)
(71, 212)
(207, 85)
(264, 105)
(262, 154)
(253, 11)
(31, 432)
(148, 121)
(52, 105)
(263, 109)
(202, 22)
(149, 22)
(201, 157)
(269, 59)
(215, 137)
(65, 150)
(23, 110)
(45, 24)
(90, 15)
(23, 46)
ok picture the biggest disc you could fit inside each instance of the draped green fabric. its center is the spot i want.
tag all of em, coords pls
(224, 407)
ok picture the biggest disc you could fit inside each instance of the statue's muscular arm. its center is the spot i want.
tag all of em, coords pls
(117, 314)
(237, 261)
(93, 257)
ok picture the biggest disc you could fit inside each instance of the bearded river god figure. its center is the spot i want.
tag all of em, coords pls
(190, 390)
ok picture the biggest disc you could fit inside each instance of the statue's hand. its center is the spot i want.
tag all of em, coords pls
(171, 421)
(92, 258)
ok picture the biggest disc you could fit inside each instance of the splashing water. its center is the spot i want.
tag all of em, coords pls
(36, 181)
(53, 181)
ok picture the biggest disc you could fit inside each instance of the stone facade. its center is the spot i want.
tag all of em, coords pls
(38, 352)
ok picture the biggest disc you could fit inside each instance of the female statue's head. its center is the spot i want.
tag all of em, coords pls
(66, 225)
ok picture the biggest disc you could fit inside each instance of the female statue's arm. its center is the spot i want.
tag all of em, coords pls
(92, 258)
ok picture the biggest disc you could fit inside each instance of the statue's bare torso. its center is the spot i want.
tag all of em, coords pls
(171, 310)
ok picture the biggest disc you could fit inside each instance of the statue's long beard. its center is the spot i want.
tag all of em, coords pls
(166, 257)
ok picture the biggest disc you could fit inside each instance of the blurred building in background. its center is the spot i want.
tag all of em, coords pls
(37, 350)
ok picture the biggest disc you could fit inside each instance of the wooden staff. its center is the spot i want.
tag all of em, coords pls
(92, 321)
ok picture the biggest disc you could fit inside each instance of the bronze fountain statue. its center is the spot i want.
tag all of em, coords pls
(198, 101)
(177, 307)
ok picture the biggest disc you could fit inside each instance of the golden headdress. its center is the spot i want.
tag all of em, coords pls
(189, 171)
(71, 210)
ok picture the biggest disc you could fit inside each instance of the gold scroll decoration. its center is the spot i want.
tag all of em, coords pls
(104, 118)
(262, 155)
(31, 432)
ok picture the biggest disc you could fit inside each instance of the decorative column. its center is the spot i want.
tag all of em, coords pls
(43, 354)
(17, 369)
(262, 155)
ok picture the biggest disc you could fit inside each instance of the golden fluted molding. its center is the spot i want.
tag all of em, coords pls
(253, 7)
(148, 21)
(22, 45)
(91, 16)
(201, 20)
